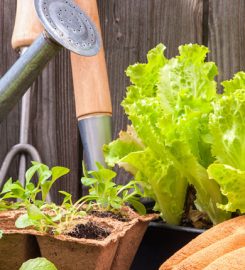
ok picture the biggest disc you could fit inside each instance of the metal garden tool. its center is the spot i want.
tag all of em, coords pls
(92, 96)
(65, 26)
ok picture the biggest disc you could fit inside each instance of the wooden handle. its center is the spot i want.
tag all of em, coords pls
(91, 87)
(27, 26)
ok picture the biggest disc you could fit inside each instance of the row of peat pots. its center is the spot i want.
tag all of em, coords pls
(115, 247)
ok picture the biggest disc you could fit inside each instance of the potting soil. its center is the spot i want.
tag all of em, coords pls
(90, 230)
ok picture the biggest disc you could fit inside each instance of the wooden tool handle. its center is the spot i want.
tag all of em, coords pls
(91, 87)
(27, 26)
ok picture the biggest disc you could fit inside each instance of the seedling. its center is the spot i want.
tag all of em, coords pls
(107, 195)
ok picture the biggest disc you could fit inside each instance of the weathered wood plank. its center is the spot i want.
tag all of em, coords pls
(9, 128)
(53, 129)
(132, 27)
(227, 36)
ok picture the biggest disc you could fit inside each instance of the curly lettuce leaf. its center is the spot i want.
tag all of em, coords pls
(227, 127)
(128, 142)
(237, 82)
(232, 183)
(186, 88)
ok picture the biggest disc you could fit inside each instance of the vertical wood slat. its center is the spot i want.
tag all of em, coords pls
(132, 27)
(9, 128)
(226, 38)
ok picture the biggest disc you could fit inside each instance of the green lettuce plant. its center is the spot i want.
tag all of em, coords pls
(170, 144)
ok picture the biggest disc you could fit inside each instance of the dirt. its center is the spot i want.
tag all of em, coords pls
(192, 217)
(106, 214)
(90, 230)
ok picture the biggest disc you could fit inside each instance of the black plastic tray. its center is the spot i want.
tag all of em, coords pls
(159, 243)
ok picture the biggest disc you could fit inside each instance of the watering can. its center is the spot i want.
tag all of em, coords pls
(65, 26)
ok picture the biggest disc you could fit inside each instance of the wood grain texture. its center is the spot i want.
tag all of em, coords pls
(9, 128)
(131, 27)
(53, 129)
(226, 38)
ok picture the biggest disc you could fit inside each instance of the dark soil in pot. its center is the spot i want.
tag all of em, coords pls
(89, 230)
(108, 214)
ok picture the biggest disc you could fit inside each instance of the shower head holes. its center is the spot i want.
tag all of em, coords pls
(69, 26)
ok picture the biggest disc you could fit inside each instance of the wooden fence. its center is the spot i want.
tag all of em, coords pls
(130, 28)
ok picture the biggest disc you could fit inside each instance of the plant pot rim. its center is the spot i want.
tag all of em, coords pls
(175, 227)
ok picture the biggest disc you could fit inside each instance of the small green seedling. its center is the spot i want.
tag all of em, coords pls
(106, 194)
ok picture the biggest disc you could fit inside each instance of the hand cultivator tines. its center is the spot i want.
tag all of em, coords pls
(65, 26)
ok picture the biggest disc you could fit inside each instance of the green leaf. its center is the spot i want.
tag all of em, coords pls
(23, 221)
(238, 82)
(128, 142)
(232, 183)
(1, 234)
(44, 175)
(103, 174)
(7, 186)
(227, 127)
(88, 181)
(67, 197)
(35, 213)
(38, 264)
(58, 172)
(138, 206)
(31, 171)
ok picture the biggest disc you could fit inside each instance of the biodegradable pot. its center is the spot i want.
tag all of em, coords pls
(74, 254)
(116, 251)
(160, 242)
(69, 253)
(129, 243)
(16, 246)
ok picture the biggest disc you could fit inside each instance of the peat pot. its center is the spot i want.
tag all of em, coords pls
(160, 242)
(115, 251)
(16, 246)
